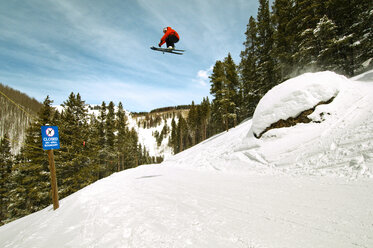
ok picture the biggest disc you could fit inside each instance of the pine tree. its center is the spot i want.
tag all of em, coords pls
(132, 157)
(110, 135)
(344, 14)
(74, 172)
(56, 119)
(308, 14)
(192, 122)
(110, 125)
(217, 83)
(205, 112)
(363, 44)
(6, 162)
(121, 127)
(92, 148)
(102, 141)
(325, 34)
(225, 87)
(173, 137)
(182, 134)
(248, 71)
(225, 106)
(266, 62)
(283, 13)
(232, 88)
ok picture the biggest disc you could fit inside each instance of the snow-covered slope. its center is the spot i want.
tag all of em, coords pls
(147, 138)
(309, 185)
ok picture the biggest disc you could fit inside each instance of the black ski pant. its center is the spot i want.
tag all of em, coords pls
(171, 40)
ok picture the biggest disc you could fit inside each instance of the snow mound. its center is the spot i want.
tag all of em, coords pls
(295, 95)
(339, 139)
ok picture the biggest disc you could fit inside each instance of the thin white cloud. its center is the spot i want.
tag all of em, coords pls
(203, 77)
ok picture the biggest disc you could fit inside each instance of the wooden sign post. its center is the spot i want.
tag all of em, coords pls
(51, 141)
(52, 169)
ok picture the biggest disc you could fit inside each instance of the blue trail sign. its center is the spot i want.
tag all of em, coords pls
(49, 135)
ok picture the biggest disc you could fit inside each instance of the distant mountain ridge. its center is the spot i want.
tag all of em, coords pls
(16, 111)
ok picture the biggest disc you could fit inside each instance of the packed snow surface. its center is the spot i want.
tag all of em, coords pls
(309, 185)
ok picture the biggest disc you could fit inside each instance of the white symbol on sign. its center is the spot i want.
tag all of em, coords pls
(49, 131)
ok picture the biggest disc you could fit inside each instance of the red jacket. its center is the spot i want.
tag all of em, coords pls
(169, 32)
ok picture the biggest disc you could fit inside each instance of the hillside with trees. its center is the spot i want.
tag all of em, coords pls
(93, 148)
(16, 113)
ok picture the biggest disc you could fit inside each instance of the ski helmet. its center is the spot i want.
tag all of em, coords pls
(164, 30)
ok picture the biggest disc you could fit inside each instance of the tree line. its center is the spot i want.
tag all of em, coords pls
(294, 37)
(22, 99)
(91, 148)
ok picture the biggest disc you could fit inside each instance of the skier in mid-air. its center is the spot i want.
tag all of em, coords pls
(170, 37)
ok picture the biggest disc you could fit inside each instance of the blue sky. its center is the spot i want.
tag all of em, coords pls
(100, 49)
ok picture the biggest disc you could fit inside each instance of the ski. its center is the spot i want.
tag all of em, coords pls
(168, 50)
